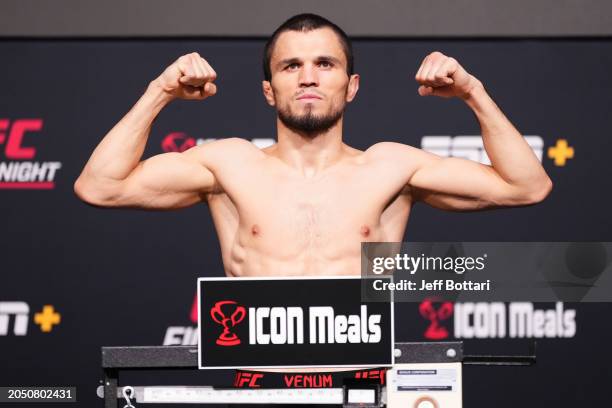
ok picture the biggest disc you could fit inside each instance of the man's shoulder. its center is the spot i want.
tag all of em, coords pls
(231, 143)
(391, 150)
(395, 158)
(228, 149)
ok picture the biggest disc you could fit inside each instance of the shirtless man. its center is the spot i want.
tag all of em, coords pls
(304, 205)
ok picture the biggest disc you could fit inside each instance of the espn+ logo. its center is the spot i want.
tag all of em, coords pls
(286, 325)
(471, 147)
(19, 313)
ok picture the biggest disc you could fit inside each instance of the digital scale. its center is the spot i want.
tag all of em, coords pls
(425, 375)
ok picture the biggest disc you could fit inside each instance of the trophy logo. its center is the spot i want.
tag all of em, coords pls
(177, 142)
(219, 314)
(427, 309)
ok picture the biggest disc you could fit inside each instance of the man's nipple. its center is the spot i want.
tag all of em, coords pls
(365, 231)
(255, 230)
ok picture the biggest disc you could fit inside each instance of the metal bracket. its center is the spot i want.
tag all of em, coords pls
(516, 360)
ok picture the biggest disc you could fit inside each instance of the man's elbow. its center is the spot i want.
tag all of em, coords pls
(91, 194)
(515, 196)
(539, 194)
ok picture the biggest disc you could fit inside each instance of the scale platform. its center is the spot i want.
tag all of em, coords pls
(425, 375)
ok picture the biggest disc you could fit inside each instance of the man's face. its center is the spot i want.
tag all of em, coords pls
(310, 86)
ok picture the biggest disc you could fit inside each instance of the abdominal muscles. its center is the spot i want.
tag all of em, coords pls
(309, 243)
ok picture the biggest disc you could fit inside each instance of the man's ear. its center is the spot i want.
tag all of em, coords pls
(266, 86)
(353, 87)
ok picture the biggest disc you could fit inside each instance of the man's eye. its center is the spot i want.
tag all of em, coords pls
(292, 66)
(325, 64)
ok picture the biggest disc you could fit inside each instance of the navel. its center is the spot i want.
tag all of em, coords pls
(365, 231)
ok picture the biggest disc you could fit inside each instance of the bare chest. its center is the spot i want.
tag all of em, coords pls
(312, 212)
(286, 216)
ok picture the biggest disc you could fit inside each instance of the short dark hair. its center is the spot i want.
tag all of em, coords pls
(307, 22)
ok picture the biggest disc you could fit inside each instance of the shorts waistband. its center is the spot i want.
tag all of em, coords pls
(334, 379)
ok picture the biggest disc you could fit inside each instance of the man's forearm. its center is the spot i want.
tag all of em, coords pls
(511, 156)
(121, 149)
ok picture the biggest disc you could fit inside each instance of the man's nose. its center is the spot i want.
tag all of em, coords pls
(309, 76)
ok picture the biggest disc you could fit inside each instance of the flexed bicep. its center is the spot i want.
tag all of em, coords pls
(461, 185)
(177, 180)
(166, 181)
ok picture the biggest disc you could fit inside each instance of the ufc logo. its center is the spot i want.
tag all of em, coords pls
(20, 310)
(247, 379)
(13, 136)
(372, 374)
(471, 147)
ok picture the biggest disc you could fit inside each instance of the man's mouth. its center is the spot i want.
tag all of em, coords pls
(308, 96)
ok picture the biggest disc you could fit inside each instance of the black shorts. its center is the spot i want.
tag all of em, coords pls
(333, 379)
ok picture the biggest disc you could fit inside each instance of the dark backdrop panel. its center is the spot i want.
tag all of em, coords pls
(123, 277)
(442, 18)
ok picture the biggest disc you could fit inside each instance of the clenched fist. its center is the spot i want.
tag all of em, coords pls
(189, 77)
(440, 75)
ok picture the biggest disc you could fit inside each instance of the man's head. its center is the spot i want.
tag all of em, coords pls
(308, 70)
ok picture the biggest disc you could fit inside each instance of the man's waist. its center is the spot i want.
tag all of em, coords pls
(321, 379)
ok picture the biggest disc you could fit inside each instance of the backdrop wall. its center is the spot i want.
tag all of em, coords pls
(388, 18)
(124, 277)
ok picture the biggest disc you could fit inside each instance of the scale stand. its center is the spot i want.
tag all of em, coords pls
(425, 375)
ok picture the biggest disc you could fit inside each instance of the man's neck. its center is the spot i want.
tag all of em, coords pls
(310, 154)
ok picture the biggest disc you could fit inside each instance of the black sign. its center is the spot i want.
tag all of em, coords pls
(290, 322)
